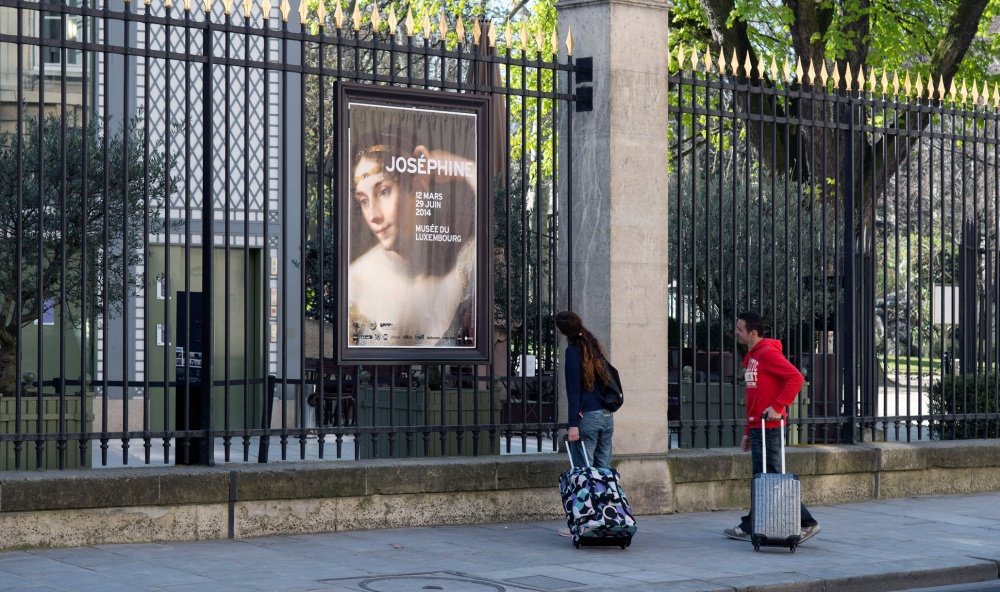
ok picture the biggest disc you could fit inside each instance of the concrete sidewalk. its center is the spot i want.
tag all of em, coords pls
(884, 545)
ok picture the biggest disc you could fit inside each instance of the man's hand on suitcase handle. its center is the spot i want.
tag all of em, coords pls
(573, 434)
(770, 415)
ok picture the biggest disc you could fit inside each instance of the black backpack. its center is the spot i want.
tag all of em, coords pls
(612, 396)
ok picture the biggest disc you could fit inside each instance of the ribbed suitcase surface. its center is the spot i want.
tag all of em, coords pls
(776, 501)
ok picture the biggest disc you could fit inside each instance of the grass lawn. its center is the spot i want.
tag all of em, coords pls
(913, 366)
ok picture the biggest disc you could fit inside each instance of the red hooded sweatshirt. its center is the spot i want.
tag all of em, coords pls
(772, 381)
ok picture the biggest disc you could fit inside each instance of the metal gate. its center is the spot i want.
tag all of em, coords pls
(133, 136)
(856, 210)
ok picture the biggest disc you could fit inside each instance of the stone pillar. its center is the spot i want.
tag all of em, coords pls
(619, 205)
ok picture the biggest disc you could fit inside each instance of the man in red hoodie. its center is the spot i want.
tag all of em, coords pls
(772, 383)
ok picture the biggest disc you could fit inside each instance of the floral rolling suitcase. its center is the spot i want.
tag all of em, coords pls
(775, 500)
(597, 512)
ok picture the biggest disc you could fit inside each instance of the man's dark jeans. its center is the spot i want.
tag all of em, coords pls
(773, 466)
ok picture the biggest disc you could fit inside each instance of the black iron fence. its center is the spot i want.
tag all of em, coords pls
(133, 136)
(857, 210)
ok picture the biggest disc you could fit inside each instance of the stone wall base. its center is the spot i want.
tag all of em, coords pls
(88, 507)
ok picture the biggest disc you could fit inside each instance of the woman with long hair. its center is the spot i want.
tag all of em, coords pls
(586, 374)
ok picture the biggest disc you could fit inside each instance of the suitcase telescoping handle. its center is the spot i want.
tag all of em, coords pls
(570, 453)
(763, 442)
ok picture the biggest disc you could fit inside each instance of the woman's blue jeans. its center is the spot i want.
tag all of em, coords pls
(596, 431)
(773, 436)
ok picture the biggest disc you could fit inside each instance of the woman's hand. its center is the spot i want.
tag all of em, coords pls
(573, 434)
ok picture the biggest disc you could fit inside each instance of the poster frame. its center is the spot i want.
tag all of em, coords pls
(478, 105)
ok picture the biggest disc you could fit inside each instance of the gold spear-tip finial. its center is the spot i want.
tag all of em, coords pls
(555, 45)
(919, 86)
(761, 68)
(707, 60)
(460, 29)
(356, 17)
(906, 84)
(569, 41)
(787, 70)
(187, 5)
(393, 21)
(285, 9)
(247, 8)
(774, 69)
(734, 64)
(492, 36)
(965, 92)
(477, 32)
(303, 11)
(848, 77)
(747, 65)
(338, 16)
(836, 75)
(508, 36)
(208, 6)
(425, 26)
(812, 73)
(895, 83)
(953, 91)
(227, 6)
(524, 37)
(996, 95)
(721, 62)
(823, 75)
(443, 27)
(539, 40)
(321, 13)
(410, 23)
(376, 17)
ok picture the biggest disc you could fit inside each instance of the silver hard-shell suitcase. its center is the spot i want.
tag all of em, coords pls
(776, 503)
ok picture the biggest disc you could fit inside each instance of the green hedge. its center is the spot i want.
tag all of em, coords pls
(978, 394)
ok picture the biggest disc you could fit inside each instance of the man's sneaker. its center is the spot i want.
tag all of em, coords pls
(564, 532)
(736, 533)
(809, 532)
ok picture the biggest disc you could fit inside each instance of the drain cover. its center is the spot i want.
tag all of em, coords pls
(415, 583)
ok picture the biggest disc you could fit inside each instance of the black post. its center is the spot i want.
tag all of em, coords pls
(204, 446)
(847, 320)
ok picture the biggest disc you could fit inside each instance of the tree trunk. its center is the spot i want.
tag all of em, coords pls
(8, 362)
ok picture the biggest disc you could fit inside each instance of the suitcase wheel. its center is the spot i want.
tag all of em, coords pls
(577, 545)
(756, 546)
(792, 547)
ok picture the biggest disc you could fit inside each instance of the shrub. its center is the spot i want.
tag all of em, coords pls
(966, 394)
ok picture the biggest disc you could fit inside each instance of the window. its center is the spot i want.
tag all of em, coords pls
(57, 27)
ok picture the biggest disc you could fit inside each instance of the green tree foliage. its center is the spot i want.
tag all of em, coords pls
(82, 203)
(949, 39)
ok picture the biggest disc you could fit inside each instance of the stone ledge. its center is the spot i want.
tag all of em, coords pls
(53, 508)
(176, 486)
